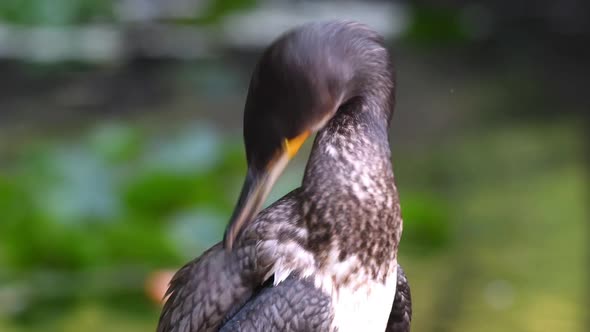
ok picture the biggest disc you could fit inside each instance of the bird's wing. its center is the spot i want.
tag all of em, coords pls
(297, 305)
(401, 311)
(205, 290)
(294, 305)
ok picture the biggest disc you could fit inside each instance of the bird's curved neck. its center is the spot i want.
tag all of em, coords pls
(350, 203)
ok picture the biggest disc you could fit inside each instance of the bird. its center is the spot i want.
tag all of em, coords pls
(324, 256)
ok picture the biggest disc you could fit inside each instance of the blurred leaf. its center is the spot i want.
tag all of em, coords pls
(159, 193)
(195, 149)
(116, 142)
(436, 26)
(84, 187)
(216, 10)
(54, 12)
(133, 243)
(427, 226)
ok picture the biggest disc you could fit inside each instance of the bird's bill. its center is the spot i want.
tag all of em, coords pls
(257, 186)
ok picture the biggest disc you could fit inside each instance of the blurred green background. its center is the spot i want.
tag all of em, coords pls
(121, 153)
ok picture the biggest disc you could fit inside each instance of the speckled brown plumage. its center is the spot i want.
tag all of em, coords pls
(338, 234)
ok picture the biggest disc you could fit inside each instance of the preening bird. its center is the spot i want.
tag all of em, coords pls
(323, 257)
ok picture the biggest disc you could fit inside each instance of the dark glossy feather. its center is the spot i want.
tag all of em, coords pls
(204, 290)
(294, 305)
(207, 288)
(401, 311)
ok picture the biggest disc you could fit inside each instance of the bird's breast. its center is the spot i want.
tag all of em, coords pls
(359, 303)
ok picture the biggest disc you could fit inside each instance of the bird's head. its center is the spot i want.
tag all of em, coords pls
(297, 86)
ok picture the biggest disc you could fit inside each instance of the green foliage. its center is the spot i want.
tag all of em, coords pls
(220, 8)
(114, 198)
(55, 12)
(427, 224)
(73, 12)
(436, 26)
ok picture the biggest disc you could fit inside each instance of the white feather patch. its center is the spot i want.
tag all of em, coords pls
(364, 306)
(359, 302)
(288, 257)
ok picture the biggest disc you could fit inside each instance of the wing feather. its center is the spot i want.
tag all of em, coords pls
(294, 305)
(400, 317)
(206, 289)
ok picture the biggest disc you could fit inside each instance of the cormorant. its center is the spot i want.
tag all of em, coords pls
(323, 257)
